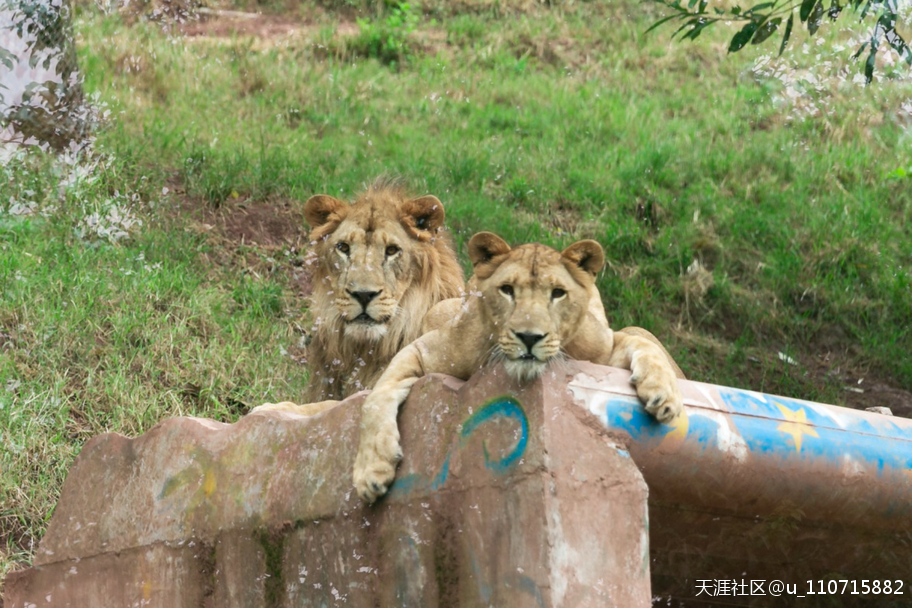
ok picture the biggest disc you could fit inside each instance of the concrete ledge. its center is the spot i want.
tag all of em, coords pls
(506, 497)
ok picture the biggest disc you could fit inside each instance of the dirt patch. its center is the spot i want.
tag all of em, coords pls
(830, 376)
(268, 30)
(878, 394)
(264, 237)
(861, 388)
(261, 224)
(232, 24)
(241, 24)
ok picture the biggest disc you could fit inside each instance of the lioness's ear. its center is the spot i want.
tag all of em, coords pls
(422, 216)
(588, 255)
(485, 246)
(319, 207)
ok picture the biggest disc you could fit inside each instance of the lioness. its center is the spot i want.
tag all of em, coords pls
(382, 263)
(536, 305)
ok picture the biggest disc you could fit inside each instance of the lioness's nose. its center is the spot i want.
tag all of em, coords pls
(364, 297)
(528, 339)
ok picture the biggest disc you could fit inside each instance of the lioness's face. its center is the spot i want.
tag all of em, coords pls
(534, 298)
(369, 253)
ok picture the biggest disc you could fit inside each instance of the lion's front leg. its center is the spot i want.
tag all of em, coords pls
(653, 376)
(379, 451)
(306, 409)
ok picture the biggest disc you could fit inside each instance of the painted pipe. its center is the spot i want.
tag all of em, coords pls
(749, 454)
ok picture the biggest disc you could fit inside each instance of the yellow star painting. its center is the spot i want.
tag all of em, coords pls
(677, 433)
(796, 425)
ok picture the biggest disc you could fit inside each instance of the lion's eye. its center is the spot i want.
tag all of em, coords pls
(343, 247)
(558, 293)
(507, 290)
(392, 250)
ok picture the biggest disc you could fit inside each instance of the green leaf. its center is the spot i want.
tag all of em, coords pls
(7, 58)
(869, 66)
(759, 7)
(691, 24)
(766, 30)
(697, 30)
(788, 33)
(661, 22)
(816, 18)
(806, 7)
(872, 56)
(740, 40)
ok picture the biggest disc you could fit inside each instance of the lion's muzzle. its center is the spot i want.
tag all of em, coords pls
(530, 340)
(363, 297)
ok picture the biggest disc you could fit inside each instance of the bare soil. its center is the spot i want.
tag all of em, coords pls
(263, 237)
(261, 26)
(228, 24)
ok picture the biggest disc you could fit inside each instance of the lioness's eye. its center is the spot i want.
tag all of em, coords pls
(558, 293)
(507, 290)
(392, 250)
(343, 247)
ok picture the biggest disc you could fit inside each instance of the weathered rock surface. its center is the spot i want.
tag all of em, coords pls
(506, 497)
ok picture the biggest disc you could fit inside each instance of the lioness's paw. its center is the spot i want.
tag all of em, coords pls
(375, 465)
(657, 387)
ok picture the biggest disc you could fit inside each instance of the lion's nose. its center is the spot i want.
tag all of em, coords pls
(364, 297)
(529, 339)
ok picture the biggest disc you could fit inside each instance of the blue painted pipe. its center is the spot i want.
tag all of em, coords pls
(750, 454)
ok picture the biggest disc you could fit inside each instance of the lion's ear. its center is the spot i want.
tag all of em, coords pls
(422, 216)
(587, 254)
(319, 208)
(485, 246)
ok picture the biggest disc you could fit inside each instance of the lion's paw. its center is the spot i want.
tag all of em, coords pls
(283, 406)
(306, 409)
(375, 465)
(657, 387)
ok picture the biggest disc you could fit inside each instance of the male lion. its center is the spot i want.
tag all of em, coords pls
(382, 263)
(536, 305)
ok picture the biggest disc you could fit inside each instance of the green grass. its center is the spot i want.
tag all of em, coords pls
(535, 123)
(100, 336)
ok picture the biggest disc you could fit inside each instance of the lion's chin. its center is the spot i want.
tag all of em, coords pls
(524, 370)
(365, 332)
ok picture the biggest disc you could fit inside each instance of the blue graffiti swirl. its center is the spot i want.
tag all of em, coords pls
(502, 407)
(506, 407)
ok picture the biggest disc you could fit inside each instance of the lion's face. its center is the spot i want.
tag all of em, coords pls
(371, 271)
(371, 254)
(533, 297)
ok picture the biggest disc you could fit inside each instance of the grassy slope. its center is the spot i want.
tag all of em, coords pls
(98, 337)
(550, 125)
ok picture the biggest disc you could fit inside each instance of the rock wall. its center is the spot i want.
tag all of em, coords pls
(506, 497)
